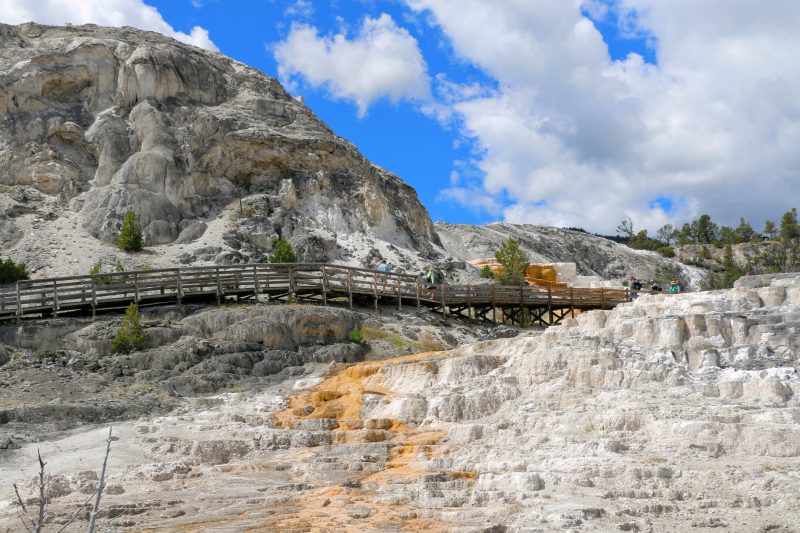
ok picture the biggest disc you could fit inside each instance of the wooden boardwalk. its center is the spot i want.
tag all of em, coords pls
(311, 282)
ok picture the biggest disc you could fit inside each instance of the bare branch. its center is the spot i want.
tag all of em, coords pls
(19, 498)
(22, 519)
(42, 501)
(100, 486)
(77, 512)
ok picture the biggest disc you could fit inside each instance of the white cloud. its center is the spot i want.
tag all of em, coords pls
(300, 8)
(381, 61)
(102, 12)
(574, 138)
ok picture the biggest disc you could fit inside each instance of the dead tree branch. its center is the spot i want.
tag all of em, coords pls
(100, 486)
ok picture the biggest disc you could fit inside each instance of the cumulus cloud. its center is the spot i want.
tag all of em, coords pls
(573, 137)
(102, 12)
(382, 60)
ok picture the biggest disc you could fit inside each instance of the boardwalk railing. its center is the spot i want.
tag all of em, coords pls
(297, 281)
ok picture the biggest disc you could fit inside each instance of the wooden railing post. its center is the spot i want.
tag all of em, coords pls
(418, 291)
(324, 286)
(444, 303)
(219, 288)
(178, 286)
(494, 305)
(94, 298)
(19, 304)
(602, 298)
(55, 298)
(350, 287)
(469, 303)
(292, 285)
(136, 287)
(375, 288)
(571, 302)
(399, 295)
(256, 286)
(549, 305)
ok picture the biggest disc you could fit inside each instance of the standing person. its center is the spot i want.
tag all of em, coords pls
(384, 267)
(674, 288)
(636, 286)
(430, 277)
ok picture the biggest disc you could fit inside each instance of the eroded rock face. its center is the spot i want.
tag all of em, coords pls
(647, 417)
(592, 255)
(112, 119)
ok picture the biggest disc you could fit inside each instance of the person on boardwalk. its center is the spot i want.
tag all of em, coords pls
(636, 286)
(384, 267)
(674, 288)
(432, 279)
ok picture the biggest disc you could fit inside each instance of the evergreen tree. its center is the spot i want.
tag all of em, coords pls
(130, 236)
(11, 272)
(731, 270)
(131, 335)
(486, 272)
(514, 261)
(769, 229)
(745, 231)
(282, 253)
(790, 234)
(667, 233)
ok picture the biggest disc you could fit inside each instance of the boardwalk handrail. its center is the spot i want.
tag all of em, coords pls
(327, 281)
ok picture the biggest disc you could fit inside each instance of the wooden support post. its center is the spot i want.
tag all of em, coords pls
(178, 287)
(256, 286)
(350, 287)
(324, 286)
(219, 288)
(55, 299)
(375, 288)
(94, 298)
(602, 298)
(399, 295)
(418, 291)
(136, 288)
(549, 306)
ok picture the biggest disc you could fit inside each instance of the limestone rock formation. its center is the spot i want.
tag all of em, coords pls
(593, 255)
(667, 413)
(109, 119)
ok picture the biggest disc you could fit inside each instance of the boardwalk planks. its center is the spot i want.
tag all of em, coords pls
(312, 282)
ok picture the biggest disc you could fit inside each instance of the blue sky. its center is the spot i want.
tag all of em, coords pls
(555, 112)
(394, 135)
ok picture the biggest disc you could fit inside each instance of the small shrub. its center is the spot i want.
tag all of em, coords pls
(130, 236)
(11, 272)
(131, 335)
(667, 251)
(97, 268)
(486, 272)
(356, 334)
(282, 253)
(44, 354)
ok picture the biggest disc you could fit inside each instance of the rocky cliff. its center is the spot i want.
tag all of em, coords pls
(593, 255)
(211, 154)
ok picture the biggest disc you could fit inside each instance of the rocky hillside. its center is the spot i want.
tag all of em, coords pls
(217, 160)
(593, 255)
(668, 413)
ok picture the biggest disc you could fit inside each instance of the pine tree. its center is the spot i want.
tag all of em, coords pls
(769, 229)
(282, 253)
(11, 271)
(131, 335)
(731, 270)
(514, 261)
(130, 236)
